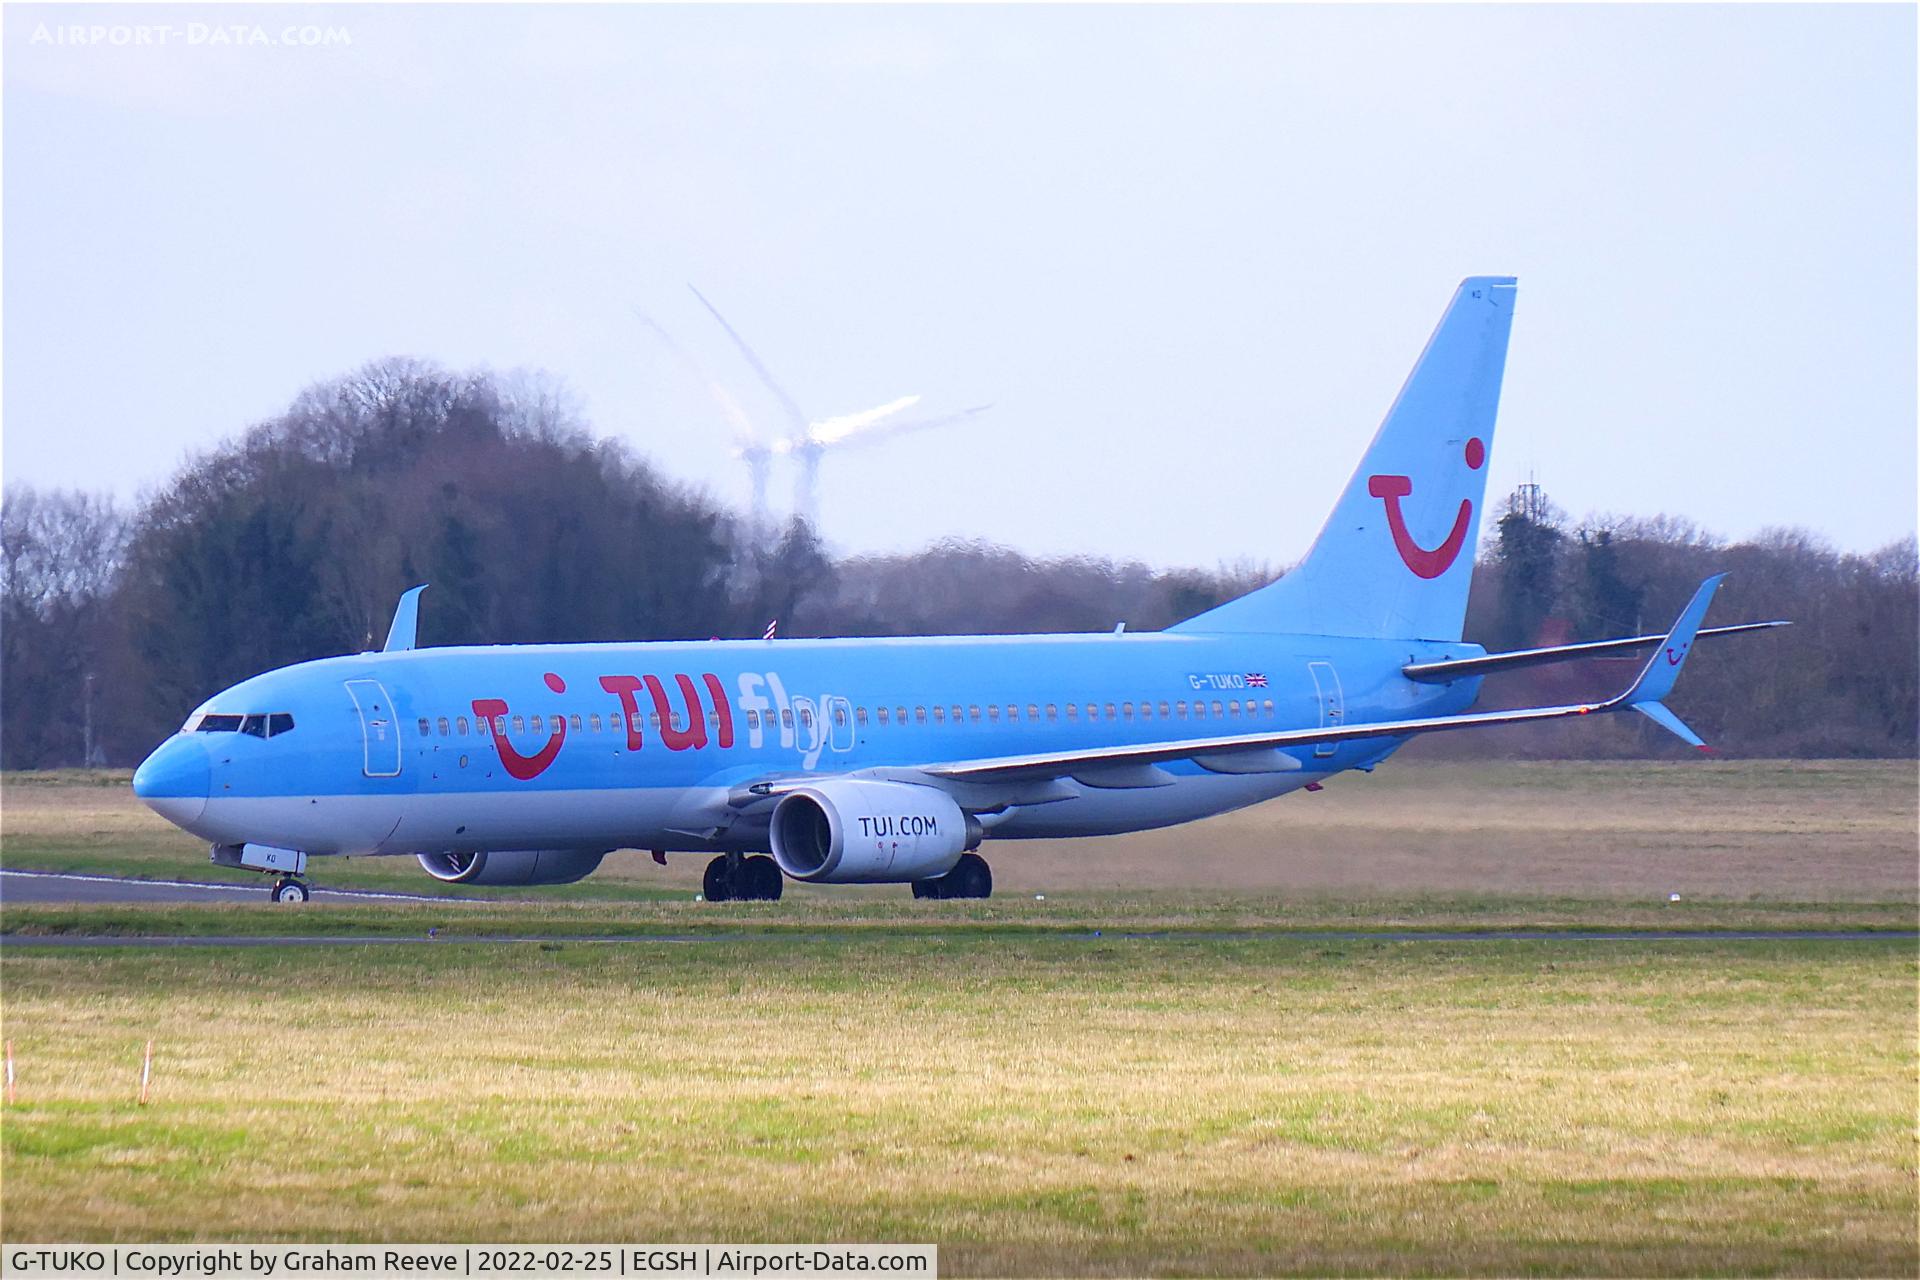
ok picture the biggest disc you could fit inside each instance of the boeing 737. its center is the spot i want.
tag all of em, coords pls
(846, 761)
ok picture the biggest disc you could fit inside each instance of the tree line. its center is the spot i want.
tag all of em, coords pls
(293, 540)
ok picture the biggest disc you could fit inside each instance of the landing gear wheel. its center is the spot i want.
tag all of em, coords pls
(763, 879)
(291, 892)
(718, 883)
(970, 878)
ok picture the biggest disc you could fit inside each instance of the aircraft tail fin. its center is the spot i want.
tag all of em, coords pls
(1396, 557)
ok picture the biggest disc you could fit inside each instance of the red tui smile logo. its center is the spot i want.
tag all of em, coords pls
(1425, 563)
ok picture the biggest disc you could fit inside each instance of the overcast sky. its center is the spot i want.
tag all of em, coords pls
(1186, 253)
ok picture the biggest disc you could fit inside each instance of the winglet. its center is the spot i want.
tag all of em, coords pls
(1657, 678)
(406, 621)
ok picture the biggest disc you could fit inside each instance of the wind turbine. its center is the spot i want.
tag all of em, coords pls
(748, 444)
(807, 441)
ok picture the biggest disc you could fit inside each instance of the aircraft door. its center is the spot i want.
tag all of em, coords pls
(810, 734)
(839, 722)
(1333, 709)
(379, 729)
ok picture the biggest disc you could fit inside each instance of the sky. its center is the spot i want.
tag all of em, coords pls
(1187, 254)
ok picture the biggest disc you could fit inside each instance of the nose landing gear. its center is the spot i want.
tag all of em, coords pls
(290, 891)
(286, 864)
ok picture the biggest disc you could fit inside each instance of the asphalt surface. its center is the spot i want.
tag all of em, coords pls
(48, 886)
(52, 886)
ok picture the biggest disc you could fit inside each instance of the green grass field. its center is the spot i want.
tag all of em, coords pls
(1151, 1070)
(1034, 1103)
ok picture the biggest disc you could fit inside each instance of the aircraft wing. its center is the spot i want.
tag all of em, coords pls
(1449, 669)
(1259, 752)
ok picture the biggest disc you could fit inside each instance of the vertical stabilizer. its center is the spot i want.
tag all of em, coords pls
(1396, 556)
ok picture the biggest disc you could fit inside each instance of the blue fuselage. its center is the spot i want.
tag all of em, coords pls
(640, 745)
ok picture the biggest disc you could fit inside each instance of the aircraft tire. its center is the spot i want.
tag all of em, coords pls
(764, 881)
(290, 892)
(717, 884)
(971, 877)
(926, 888)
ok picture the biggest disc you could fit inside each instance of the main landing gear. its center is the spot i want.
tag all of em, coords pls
(290, 891)
(733, 877)
(971, 877)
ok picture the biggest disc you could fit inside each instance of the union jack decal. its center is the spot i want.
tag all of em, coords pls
(1256, 680)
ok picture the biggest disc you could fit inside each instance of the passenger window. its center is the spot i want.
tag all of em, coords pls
(939, 715)
(1199, 710)
(1073, 711)
(882, 712)
(1216, 708)
(460, 725)
(1252, 706)
(1163, 711)
(860, 715)
(900, 715)
(425, 728)
(806, 718)
(1234, 708)
(920, 715)
(443, 726)
(1013, 711)
(973, 713)
(993, 711)
(519, 724)
(594, 721)
(1268, 706)
(1111, 713)
(574, 721)
(840, 716)
(1033, 711)
(1092, 711)
(786, 718)
(536, 724)
(956, 715)
(278, 723)
(1052, 711)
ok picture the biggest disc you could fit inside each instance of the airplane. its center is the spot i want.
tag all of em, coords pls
(847, 761)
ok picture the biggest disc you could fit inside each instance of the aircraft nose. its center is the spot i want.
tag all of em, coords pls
(175, 779)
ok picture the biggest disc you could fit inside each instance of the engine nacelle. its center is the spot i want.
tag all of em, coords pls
(852, 831)
(512, 866)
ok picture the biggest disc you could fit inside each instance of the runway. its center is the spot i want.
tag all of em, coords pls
(61, 886)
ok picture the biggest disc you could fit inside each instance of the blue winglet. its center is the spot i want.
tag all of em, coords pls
(1657, 678)
(1658, 713)
(406, 621)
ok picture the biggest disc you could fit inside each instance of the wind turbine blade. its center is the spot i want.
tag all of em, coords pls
(884, 430)
(747, 436)
(794, 415)
(834, 430)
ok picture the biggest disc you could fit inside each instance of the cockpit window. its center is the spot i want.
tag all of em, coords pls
(260, 726)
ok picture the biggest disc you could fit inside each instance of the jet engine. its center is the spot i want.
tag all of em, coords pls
(852, 831)
(513, 866)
